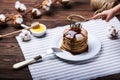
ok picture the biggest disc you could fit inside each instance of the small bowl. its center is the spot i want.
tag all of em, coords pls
(39, 31)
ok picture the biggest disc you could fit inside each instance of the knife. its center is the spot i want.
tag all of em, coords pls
(35, 59)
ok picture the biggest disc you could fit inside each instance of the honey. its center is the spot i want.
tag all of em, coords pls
(40, 28)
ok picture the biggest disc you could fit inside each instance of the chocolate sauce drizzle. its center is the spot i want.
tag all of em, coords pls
(74, 29)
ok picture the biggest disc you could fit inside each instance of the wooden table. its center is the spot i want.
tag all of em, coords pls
(10, 52)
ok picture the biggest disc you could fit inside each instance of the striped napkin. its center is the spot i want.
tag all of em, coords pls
(53, 68)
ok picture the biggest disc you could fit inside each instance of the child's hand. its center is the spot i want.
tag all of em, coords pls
(105, 15)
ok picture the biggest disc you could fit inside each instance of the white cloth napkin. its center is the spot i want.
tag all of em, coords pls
(53, 68)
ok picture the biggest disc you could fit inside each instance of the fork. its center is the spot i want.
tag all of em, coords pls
(35, 59)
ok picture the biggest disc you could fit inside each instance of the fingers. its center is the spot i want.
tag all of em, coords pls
(109, 18)
(96, 16)
(99, 15)
(102, 16)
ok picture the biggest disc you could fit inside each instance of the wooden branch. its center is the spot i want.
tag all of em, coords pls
(39, 6)
(15, 32)
(6, 20)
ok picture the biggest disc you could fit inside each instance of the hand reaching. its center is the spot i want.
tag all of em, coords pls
(108, 14)
(105, 15)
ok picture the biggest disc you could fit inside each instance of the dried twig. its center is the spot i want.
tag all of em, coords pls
(15, 32)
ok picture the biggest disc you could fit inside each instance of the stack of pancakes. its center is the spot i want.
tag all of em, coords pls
(75, 39)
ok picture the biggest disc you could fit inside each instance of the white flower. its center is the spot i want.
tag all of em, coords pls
(46, 4)
(18, 19)
(49, 3)
(23, 7)
(112, 32)
(25, 35)
(47, 8)
(2, 17)
(20, 6)
(36, 11)
(17, 5)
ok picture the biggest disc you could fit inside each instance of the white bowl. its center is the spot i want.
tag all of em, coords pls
(40, 31)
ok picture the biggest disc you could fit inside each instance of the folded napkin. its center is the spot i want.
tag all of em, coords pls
(53, 68)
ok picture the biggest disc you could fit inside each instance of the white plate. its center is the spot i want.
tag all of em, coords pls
(94, 46)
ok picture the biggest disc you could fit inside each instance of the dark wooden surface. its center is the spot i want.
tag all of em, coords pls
(10, 52)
